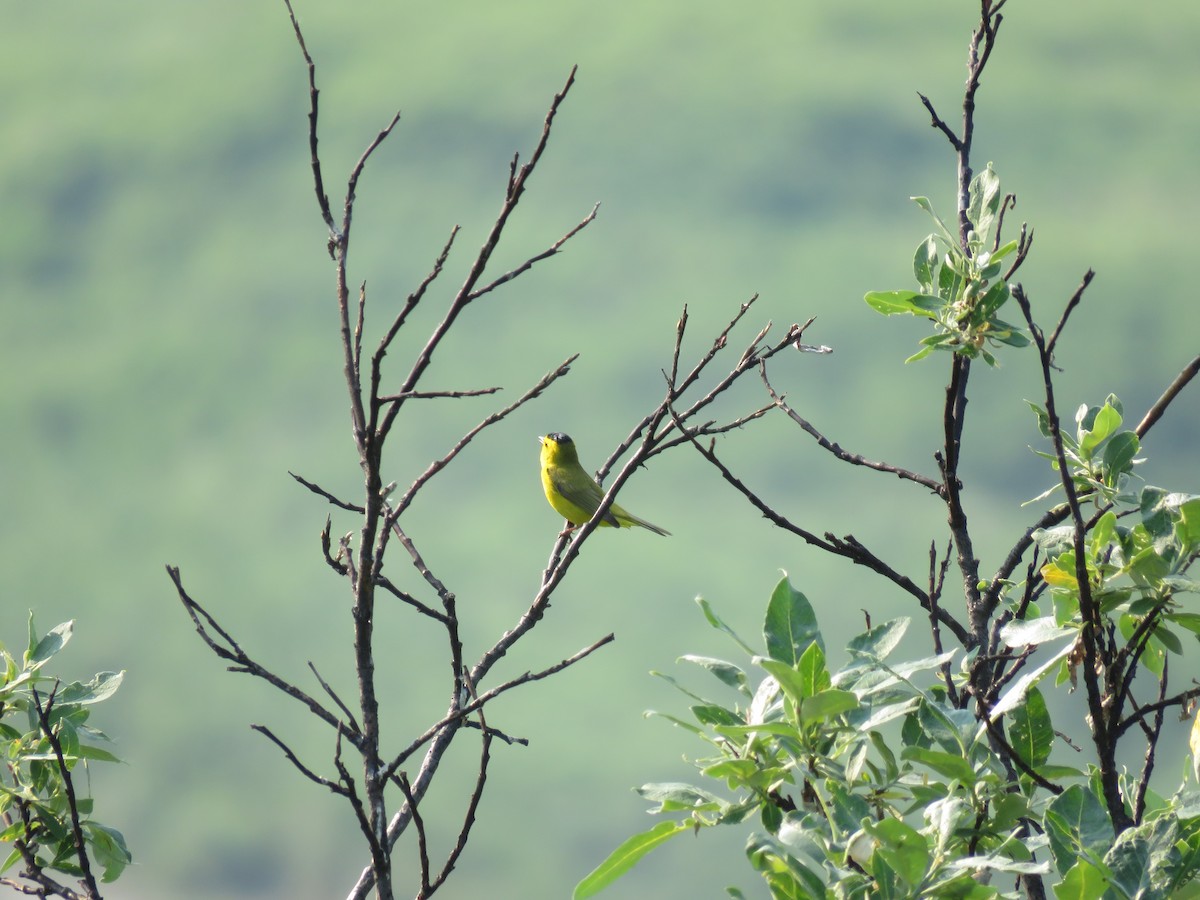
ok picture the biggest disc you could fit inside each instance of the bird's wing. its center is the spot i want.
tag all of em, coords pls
(581, 491)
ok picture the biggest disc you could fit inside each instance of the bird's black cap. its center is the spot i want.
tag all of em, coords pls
(559, 438)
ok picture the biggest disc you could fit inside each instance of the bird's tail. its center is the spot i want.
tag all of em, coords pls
(648, 526)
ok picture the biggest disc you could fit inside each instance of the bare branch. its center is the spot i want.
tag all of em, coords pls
(528, 264)
(848, 547)
(939, 123)
(308, 773)
(516, 187)
(333, 695)
(1066, 313)
(845, 456)
(60, 762)
(432, 395)
(465, 709)
(313, 93)
(207, 626)
(1160, 405)
(321, 492)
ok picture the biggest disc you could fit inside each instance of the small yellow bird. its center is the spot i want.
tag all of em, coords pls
(572, 492)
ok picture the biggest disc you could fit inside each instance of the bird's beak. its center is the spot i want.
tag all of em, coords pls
(541, 438)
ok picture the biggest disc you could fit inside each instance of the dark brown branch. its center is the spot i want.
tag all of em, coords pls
(405, 597)
(1067, 310)
(997, 735)
(1139, 802)
(333, 695)
(1160, 406)
(315, 159)
(937, 122)
(207, 626)
(321, 492)
(845, 456)
(463, 710)
(308, 773)
(409, 305)
(379, 856)
(847, 547)
(937, 580)
(554, 248)
(466, 293)
(460, 844)
(85, 864)
(1141, 712)
(1103, 737)
(422, 842)
(430, 395)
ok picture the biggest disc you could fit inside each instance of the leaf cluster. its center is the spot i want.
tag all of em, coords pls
(45, 734)
(961, 288)
(862, 783)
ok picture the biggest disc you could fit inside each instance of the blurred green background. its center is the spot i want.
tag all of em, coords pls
(170, 353)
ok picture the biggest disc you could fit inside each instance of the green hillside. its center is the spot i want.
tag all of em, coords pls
(168, 350)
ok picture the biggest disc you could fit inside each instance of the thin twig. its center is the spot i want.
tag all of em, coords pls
(321, 492)
(85, 864)
(308, 773)
(1160, 405)
(844, 455)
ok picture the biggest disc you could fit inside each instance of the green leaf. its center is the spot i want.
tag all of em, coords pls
(924, 203)
(90, 751)
(56, 638)
(826, 705)
(1189, 515)
(920, 354)
(1190, 621)
(1018, 633)
(1077, 825)
(1105, 423)
(812, 671)
(947, 764)
(994, 299)
(926, 262)
(1129, 864)
(102, 686)
(1083, 881)
(880, 640)
(792, 683)
(1031, 732)
(732, 771)
(893, 303)
(672, 796)
(711, 714)
(1118, 456)
(108, 849)
(904, 848)
(983, 202)
(952, 728)
(626, 856)
(718, 623)
(791, 624)
(1043, 418)
(729, 673)
(786, 876)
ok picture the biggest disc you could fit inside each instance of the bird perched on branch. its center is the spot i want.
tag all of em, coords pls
(573, 493)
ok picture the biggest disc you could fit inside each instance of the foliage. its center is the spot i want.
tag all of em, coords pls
(961, 290)
(45, 733)
(864, 781)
